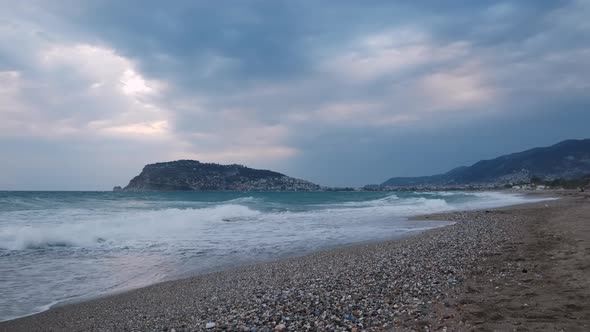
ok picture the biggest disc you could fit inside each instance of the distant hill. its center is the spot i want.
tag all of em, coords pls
(191, 175)
(568, 159)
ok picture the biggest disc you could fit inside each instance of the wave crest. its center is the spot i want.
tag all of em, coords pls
(138, 227)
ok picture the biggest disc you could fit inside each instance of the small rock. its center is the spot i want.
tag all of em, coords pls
(210, 325)
(280, 327)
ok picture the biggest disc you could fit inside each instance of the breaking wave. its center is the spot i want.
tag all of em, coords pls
(143, 228)
(73, 229)
(89, 243)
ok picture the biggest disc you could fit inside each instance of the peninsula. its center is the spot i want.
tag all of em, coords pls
(192, 175)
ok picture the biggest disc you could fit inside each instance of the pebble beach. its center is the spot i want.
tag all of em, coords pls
(416, 283)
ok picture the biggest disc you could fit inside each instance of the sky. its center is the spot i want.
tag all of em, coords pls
(339, 92)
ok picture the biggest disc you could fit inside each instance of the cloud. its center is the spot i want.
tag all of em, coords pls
(393, 53)
(242, 154)
(11, 107)
(79, 88)
(282, 84)
(455, 89)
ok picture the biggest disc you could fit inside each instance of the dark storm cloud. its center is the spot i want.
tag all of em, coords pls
(341, 92)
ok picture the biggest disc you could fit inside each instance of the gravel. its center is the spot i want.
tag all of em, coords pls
(403, 284)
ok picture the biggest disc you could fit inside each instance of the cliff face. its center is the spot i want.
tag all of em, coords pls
(191, 175)
(568, 159)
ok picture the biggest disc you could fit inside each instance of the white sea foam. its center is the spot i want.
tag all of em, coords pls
(72, 228)
(141, 228)
(66, 248)
(491, 199)
(391, 199)
(241, 200)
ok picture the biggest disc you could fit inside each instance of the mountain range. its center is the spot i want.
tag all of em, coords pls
(567, 159)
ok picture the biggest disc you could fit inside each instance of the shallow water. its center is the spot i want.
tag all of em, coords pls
(59, 246)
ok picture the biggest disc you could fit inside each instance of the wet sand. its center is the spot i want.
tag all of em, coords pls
(540, 282)
(523, 268)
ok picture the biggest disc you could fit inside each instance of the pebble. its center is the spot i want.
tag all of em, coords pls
(366, 287)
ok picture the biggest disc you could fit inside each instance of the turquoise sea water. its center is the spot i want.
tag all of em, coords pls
(61, 246)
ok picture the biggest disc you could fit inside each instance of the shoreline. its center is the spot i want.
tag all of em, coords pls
(229, 268)
(368, 285)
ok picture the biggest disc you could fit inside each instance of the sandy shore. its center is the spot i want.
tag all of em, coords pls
(521, 268)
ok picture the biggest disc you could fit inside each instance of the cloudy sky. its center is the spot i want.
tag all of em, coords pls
(337, 92)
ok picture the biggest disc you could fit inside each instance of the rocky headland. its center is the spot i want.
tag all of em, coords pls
(191, 175)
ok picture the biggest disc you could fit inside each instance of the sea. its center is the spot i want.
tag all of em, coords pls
(58, 247)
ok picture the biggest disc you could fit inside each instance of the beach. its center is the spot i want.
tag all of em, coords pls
(523, 267)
